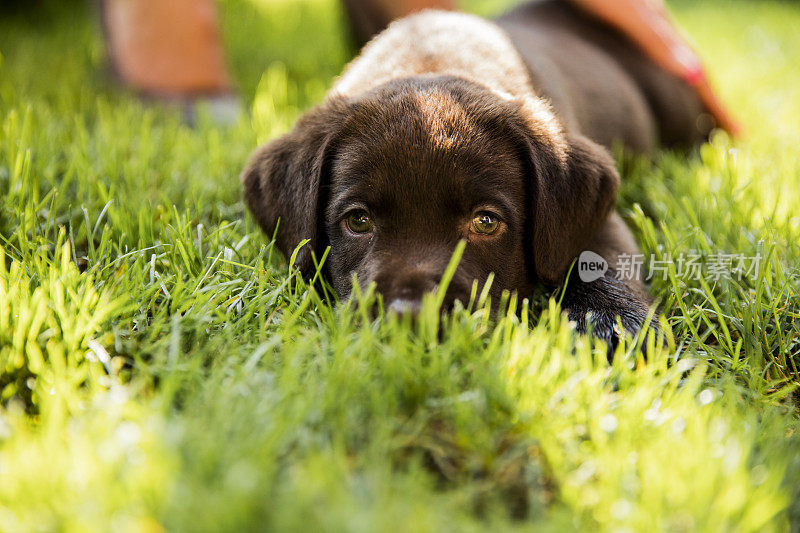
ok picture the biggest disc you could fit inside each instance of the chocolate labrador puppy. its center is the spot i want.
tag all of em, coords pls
(450, 127)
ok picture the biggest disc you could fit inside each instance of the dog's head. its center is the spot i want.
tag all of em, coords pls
(393, 179)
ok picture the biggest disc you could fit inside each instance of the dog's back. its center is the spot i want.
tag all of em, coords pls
(601, 83)
(597, 81)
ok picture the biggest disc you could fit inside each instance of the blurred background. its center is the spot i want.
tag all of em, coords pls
(308, 41)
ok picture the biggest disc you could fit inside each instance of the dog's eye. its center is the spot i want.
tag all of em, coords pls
(358, 221)
(485, 223)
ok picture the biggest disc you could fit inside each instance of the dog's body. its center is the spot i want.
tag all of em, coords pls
(601, 84)
(441, 130)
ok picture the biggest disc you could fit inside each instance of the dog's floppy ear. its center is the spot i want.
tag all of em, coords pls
(572, 193)
(283, 179)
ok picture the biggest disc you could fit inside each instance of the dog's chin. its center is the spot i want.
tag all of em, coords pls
(413, 307)
(404, 306)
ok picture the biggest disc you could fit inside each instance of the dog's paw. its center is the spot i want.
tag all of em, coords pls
(608, 309)
(611, 325)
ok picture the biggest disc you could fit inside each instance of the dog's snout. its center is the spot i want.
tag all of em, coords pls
(403, 290)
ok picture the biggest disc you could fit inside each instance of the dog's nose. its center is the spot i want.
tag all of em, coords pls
(404, 306)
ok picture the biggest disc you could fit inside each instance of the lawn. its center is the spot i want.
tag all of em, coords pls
(162, 368)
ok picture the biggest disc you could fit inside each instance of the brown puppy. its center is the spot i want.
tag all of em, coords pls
(442, 130)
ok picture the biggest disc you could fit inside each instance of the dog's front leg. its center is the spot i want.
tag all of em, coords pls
(606, 284)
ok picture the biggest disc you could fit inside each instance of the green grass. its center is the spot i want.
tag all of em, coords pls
(161, 368)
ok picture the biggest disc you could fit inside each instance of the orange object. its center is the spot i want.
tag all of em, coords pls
(166, 47)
